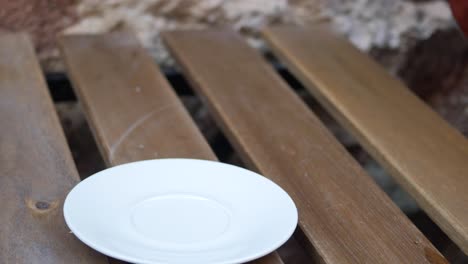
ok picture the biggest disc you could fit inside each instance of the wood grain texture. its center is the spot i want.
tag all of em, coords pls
(36, 167)
(343, 213)
(134, 113)
(427, 156)
(272, 258)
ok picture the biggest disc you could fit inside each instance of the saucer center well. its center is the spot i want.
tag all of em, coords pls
(180, 218)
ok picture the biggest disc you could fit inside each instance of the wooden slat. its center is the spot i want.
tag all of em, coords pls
(427, 156)
(343, 213)
(134, 113)
(36, 167)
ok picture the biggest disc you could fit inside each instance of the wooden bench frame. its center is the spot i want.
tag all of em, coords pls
(134, 114)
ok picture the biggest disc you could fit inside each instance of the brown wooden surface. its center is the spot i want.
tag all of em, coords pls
(134, 113)
(36, 168)
(427, 156)
(347, 218)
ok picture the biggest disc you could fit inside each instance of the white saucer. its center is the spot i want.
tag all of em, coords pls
(180, 211)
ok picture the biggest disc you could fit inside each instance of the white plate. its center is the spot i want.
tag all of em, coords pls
(180, 211)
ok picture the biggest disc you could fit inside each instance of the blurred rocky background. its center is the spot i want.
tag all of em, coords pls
(415, 40)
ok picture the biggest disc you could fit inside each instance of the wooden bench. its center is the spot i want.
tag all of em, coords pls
(134, 114)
